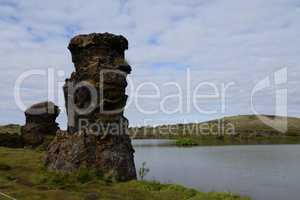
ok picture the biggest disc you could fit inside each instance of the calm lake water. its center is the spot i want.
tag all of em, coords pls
(266, 172)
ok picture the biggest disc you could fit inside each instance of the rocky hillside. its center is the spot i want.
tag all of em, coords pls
(10, 135)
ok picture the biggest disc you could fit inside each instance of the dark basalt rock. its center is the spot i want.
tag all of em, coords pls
(100, 64)
(97, 135)
(112, 154)
(40, 121)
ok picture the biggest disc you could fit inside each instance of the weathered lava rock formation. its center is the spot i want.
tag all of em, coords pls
(95, 99)
(40, 121)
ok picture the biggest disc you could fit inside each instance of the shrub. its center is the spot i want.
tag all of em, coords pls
(185, 142)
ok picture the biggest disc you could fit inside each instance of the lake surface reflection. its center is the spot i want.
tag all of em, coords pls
(264, 172)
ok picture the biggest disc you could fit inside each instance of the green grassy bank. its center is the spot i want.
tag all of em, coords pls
(23, 177)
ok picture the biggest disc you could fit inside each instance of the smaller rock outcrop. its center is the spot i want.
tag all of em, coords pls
(40, 121)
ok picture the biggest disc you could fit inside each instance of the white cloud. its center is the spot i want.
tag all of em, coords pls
(220, 41)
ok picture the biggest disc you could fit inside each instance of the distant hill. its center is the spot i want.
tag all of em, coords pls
(10, 129)
(253, 124)
(10, 135)
(241, 127)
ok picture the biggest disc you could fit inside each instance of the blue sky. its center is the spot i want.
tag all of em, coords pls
(218, 41)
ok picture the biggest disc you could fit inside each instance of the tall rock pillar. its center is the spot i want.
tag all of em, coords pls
(95, 99)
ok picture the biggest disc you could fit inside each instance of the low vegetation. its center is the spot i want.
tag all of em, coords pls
(22, 176)
(185, 142)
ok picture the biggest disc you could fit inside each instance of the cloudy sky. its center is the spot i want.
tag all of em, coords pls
(174, 46)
